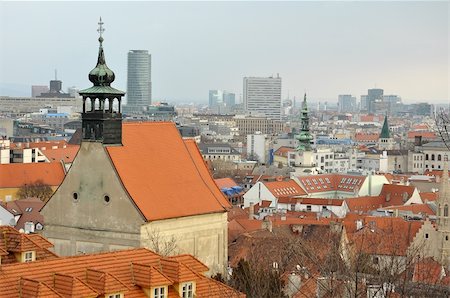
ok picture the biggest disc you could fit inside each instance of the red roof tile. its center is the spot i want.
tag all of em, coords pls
(70, 273)
(165, 176)
(283, 151)
(28, 209)
(285, 188)
(332, 182)
(414, 209)
(16, 175)
(225, 183)
(62, 154)
(426, 135)
(384, 235)
(428, 196)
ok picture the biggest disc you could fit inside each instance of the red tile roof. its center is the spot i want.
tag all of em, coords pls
(312, 201)
(331, 182)
(83, 275)
(65, 154)
(366, 137)
(225, 183)
(414, 209)
(428, 196)
(15, 175)
(384, 235)
(12, 241)
(396, 194)
(365, 204)
(165, 176)
(41, 145)
(285, 188)
(426, 135)
(28, 209)
(283, 151)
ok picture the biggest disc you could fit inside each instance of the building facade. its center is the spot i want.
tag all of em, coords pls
(262, 96)
(139, 81)
(121, 190)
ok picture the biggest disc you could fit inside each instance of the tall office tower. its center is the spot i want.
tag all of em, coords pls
(346, 103)
(263, 96)
(372, 96)
(221, 102)
(215, 99)
(139, 81)
(229, 99)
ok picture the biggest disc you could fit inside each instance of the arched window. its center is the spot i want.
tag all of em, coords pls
(445, 210)
(432, 156)
(426, 156)
(439, 157)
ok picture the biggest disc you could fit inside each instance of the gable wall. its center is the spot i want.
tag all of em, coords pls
(89, 224)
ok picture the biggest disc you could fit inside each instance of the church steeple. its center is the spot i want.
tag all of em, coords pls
(443, 218)
(385, 134)
(304, 138)
(101, 122)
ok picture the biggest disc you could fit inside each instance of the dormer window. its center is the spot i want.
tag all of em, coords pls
(159, 292)
(28, 256)
(187, 290)
(115, 295)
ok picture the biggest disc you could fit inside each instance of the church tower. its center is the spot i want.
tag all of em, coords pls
(385, 141)
(443, 219)
(101, 122)
(305, 163)
(304, 138)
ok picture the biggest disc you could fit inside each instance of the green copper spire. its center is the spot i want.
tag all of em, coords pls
(385, 134)
(101, 76)
(304, 138)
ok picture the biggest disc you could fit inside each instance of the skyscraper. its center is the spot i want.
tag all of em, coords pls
(372, 96)
(139, 81)
(221, 102)
(263, 96)
(346, 103)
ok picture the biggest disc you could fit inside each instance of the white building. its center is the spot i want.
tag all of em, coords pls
(262, 96)
(257, 147)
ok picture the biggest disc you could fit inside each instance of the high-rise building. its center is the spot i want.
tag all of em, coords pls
(346, 103)
(262, 96)
(221, 102)
(372, 96)
(139, 81)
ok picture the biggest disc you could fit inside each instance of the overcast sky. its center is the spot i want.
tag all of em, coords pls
(323, 48)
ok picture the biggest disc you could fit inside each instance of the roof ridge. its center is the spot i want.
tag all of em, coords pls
(201, 176)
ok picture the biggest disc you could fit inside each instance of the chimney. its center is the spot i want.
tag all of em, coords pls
(359, 224)
(417, 140)
(251, 211)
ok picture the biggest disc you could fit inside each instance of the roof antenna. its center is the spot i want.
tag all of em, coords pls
(56, 74)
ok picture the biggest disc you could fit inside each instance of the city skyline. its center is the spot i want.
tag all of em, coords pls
(323, 48)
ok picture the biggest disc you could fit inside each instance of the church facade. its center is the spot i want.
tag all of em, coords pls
(135, 184)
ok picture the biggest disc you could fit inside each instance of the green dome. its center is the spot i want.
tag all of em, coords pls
(101, 75)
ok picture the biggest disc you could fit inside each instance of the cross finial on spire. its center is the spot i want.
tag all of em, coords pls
(100, 29)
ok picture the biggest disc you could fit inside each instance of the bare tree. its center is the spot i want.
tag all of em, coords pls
(36, 189)
(161, 244)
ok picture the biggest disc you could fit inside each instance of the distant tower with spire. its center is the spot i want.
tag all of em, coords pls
(443, 219)
(304, 137)
(100, 121)
(385, 141)
(305, 163)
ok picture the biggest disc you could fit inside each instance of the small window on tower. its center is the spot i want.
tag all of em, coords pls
(75, 197)
(106, 199)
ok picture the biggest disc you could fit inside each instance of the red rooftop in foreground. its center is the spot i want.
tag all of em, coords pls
(131, 273)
